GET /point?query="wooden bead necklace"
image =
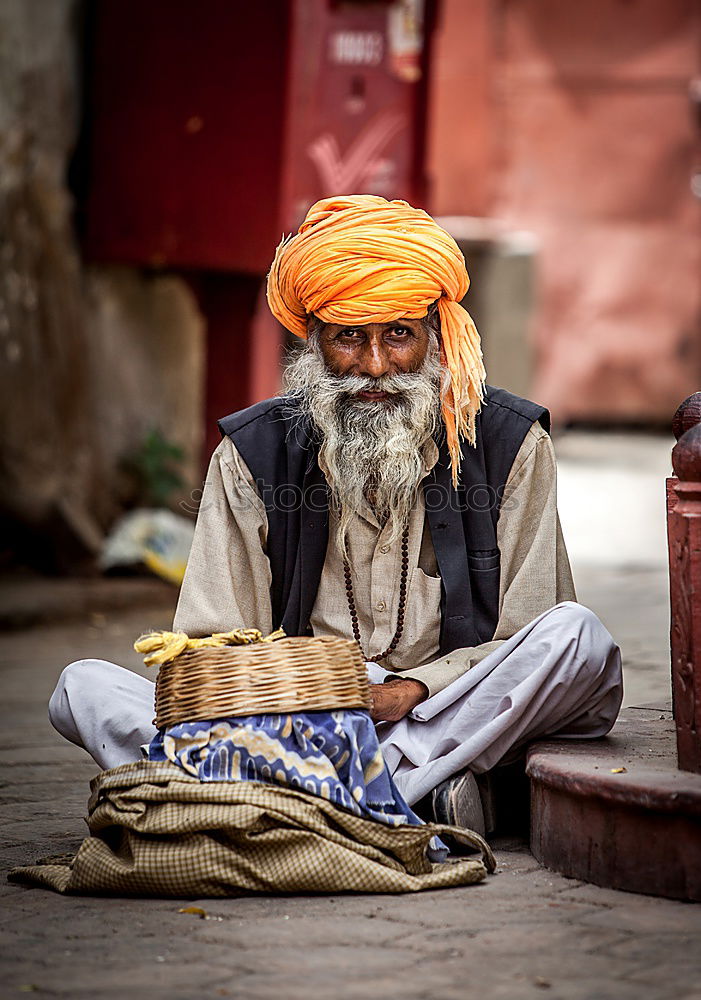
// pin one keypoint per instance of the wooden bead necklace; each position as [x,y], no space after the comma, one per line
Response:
[400,611]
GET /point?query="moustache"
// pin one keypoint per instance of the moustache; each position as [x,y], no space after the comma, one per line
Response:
[393,385]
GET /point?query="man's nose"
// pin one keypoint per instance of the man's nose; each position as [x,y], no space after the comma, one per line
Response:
[374,360]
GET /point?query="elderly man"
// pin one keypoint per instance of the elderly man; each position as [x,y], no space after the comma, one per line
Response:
[389,496]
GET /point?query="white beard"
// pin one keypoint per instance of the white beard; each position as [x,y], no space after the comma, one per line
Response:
[371,448]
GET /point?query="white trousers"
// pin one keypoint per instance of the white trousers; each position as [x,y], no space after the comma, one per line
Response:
[560,675]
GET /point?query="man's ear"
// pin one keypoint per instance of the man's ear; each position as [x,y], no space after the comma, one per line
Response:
[314,326]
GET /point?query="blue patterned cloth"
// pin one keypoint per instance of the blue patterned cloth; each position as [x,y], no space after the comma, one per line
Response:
[332,754]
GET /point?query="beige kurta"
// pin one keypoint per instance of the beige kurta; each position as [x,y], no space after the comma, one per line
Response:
[227,582]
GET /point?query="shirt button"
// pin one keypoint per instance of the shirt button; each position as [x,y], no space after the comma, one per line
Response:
[381,606]
[384,548]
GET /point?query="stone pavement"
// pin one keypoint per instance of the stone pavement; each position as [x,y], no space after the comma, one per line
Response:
[524,933]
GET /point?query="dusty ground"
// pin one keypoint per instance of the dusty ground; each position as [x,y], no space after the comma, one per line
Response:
[524,933]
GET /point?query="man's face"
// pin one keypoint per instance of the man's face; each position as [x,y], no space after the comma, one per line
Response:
[375,349]
[372,392]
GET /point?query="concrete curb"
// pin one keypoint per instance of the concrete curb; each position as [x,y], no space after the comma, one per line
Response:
[28,601]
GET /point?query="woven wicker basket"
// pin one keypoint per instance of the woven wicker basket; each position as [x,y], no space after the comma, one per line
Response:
[290,675]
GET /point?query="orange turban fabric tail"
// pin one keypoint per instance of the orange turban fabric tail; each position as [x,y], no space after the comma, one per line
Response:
[361,259]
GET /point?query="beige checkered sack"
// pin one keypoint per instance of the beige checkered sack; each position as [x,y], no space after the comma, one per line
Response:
[156,831]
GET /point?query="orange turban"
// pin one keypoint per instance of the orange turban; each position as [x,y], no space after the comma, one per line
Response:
[361,259]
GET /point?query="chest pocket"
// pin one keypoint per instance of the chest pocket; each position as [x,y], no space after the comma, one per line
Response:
[483,566]
[423,617]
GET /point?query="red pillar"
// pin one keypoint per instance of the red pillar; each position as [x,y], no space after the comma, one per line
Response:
[684,536]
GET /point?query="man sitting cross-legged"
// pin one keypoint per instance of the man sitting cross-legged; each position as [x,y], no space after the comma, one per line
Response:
[390,496]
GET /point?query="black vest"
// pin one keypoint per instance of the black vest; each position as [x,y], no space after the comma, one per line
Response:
[281,454]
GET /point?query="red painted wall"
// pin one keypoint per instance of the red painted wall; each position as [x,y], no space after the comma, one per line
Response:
[461,121]
[577,125]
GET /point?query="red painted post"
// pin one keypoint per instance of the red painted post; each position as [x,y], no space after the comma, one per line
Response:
[684,537]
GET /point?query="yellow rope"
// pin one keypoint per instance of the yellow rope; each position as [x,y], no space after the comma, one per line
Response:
[163,647]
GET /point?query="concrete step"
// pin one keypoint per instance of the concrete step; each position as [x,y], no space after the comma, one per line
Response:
[617,812]
[26,601]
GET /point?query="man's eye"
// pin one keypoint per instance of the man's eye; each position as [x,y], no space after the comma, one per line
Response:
[400,331]
[351,331]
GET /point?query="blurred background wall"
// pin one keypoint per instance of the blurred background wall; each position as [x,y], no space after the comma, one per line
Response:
[581,123]
[93,359]
[152,154]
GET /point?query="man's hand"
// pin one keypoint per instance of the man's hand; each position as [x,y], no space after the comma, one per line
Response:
[395,699]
